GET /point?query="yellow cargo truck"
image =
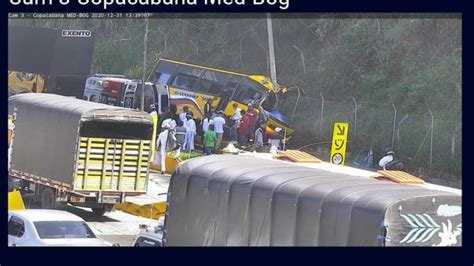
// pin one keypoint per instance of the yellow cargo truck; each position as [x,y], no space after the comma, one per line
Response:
[66,150]
[25,82]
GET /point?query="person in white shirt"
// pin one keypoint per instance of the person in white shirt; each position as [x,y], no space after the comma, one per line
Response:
[386,160]
[258,140]
[213,113]
[235,122]
[161,143]
[171,123]
[277,139]
[219,123]
[190,132]
[183,115]
[205,123]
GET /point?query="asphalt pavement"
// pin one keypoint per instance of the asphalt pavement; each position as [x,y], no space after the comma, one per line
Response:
[118,227]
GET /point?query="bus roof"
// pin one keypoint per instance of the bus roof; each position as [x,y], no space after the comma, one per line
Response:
[257,78]
[203,67]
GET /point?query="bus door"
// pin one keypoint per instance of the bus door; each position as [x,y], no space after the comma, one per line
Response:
[226,95]
[150,97]
[225,98]
[162,97]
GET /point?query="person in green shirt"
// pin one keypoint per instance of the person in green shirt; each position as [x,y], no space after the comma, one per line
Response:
[210,138]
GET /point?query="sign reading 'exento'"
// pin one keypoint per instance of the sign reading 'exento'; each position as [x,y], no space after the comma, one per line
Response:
[76,33]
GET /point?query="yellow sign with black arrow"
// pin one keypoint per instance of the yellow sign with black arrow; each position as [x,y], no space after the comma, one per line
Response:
[339,143]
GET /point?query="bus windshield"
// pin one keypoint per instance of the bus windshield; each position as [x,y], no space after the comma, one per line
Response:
[270,102]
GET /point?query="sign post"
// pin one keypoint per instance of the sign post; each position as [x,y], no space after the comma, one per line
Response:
[339,143]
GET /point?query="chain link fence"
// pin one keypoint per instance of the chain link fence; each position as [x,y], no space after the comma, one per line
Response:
[426,142]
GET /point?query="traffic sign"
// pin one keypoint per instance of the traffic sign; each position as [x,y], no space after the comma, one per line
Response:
[339,143]
[76,33]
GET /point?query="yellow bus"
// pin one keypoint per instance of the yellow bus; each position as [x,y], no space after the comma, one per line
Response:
[192,85]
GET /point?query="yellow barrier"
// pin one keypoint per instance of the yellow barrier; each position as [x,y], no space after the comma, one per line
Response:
[153,211]
[15,201]
[171,164]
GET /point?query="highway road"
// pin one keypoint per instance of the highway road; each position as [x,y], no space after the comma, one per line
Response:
[118,227]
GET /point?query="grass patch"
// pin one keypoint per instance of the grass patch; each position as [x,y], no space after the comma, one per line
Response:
[185,155]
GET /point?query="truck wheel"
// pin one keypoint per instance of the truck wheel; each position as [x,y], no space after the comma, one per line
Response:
[103,209]
[99,211]
[48,198]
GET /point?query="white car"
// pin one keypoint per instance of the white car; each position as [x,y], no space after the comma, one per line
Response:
[49,228]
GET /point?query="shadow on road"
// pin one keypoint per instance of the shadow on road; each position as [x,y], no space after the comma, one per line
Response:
[88,216]
[84,213]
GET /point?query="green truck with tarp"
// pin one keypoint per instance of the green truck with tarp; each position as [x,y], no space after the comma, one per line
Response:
[248,200]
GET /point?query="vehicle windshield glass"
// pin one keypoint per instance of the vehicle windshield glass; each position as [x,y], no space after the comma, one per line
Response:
[270,102]
[63,229]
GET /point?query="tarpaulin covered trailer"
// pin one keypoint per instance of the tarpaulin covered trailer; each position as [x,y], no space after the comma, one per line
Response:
[232,200]
[80,152]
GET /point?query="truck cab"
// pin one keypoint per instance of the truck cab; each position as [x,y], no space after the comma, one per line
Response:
[106,88]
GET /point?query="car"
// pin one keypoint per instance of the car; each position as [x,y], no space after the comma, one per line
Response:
[149,236]
[38,227]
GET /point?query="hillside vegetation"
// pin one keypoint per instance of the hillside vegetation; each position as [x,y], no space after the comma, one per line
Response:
[411,63]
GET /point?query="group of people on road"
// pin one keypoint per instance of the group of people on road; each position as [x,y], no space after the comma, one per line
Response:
[249,128]
[241,125]
[245,124]
[178,130]
[213,125]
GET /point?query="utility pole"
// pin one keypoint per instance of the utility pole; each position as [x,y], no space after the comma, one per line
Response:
[271,49]
[145,38]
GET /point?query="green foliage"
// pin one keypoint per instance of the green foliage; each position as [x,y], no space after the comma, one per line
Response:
[414,63]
